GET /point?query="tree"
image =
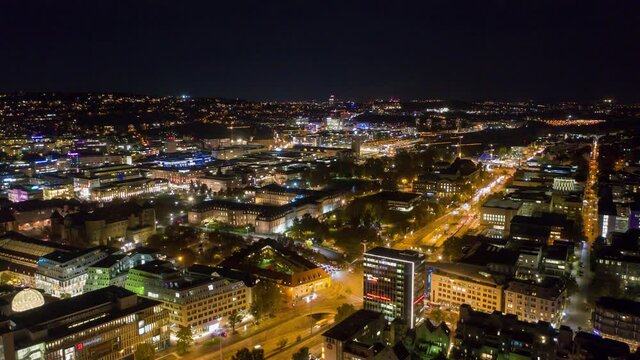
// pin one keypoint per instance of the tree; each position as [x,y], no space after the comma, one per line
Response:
[144,351]
[234,319]
[8,278]
[437,316]
[452,248]
[603,284]
[440,356]
[266,299]
[344,311]
[282,344]
[185,339]
[302,354]
[246,354]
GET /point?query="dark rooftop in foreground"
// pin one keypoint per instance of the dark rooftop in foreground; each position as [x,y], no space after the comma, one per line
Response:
[621,305]
[344,330]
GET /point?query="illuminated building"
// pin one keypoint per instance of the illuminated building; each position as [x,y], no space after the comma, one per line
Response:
[617,319]
[19,255]
[236,151]
[108,182]
[274,210]
[268,260]
[104,324]
[455,284]
[95,177]
[20,193]
[395,284]
[57,192]
[113,269]
[63,273]
[533,301]
[565,184]
[202,301]
[177,175]
[129,189]
[185,160]
[497,213]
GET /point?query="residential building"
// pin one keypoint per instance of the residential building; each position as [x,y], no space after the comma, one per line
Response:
[449,180]
[455,284]
[557,260]
[395,284]
[588,346]
[534,301]
[480,335]
[620,257]
[618,319]
[567,204]
[359,336]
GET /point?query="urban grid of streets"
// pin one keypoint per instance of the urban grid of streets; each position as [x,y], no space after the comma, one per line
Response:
[295,322]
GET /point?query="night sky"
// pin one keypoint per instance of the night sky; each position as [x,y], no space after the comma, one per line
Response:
[294,50]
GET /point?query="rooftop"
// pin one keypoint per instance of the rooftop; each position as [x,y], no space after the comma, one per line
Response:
[619,305]
[404,255]
[350,326]
[503,204]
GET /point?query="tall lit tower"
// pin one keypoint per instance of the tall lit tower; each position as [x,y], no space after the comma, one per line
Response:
[395,284]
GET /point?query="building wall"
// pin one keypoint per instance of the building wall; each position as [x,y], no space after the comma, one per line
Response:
[532,308]
[200,307]
[115,339]
[453,292]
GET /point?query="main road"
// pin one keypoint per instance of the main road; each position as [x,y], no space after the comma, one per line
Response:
[459,220]
[305,321]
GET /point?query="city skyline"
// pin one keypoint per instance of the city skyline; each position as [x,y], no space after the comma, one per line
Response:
[334,180]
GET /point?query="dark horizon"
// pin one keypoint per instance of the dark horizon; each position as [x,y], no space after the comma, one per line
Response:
[545,51]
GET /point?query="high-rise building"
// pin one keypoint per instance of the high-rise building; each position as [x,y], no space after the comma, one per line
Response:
[395,284]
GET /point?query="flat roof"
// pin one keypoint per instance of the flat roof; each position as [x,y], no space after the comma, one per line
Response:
[348,327]
[404,255]
[503,204]
[475,273]
[619,305]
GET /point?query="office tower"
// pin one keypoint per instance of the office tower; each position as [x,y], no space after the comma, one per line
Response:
[394,284]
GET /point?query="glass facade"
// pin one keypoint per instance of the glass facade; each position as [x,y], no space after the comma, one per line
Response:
[395,284]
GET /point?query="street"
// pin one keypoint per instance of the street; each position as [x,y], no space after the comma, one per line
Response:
[289,324]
